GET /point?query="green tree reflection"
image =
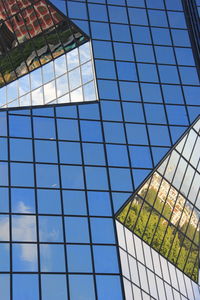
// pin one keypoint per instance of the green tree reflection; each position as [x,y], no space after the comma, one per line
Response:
[150,220]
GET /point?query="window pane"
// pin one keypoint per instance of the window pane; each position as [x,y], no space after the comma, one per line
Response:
[76,229]
[54,287]
[25,287]
[85,284]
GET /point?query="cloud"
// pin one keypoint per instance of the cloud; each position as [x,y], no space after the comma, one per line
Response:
[21,207]
[72,59]
[49,91]
[24,228]
[29,253]
[85,53]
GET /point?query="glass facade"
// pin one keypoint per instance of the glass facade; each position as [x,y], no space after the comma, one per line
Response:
[67,170]
[165,210]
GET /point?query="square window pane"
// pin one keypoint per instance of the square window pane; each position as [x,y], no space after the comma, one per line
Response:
[76,229]
[102,231]
[48,201]
[84,283]
[50,229]
[21,150]
[24,258]
[23,201]
[47,176]
[79,258]
[26,177]
[93,154]
[96,178]
[24,228]
[52,258]
[72,177]
[74,202]
[54,287]
[45,151]
[105,259]
[109,287]
[25,286]
[44,128]
[70,153]
[99,204]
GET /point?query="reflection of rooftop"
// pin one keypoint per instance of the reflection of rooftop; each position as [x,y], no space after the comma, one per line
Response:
[44,32]
[29,18]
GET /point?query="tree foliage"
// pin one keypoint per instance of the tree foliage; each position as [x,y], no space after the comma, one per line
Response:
[155,229]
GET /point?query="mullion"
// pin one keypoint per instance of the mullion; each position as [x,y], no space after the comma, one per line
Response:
[36,212]
[87,206]
[62,207]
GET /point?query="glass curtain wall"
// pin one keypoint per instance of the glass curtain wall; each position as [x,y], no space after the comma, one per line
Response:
[66,170]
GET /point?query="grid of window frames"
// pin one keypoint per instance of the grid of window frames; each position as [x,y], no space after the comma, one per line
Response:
[55,235]
[148,275]
[140,59]
[32,34]
[165,212]
[67,79]
[149,96]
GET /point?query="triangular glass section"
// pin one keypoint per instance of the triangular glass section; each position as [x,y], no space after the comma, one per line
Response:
[44,57]
[165,210]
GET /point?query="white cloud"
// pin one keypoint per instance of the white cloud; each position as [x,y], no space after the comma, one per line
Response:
[21,207]
[24,228]
[29,253]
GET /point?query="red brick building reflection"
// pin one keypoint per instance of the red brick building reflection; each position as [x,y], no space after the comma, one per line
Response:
[27,18]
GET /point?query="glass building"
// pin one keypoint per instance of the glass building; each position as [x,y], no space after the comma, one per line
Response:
[99,149]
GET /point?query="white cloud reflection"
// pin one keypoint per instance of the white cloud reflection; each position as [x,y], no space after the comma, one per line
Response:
[24,230]
[21,207]
[29,253]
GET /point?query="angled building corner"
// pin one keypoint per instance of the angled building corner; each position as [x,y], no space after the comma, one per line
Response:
[44,58]
[164,214]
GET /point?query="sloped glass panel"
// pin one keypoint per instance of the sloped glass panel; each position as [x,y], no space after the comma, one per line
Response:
[44,58]
[32,33]
[165,213]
